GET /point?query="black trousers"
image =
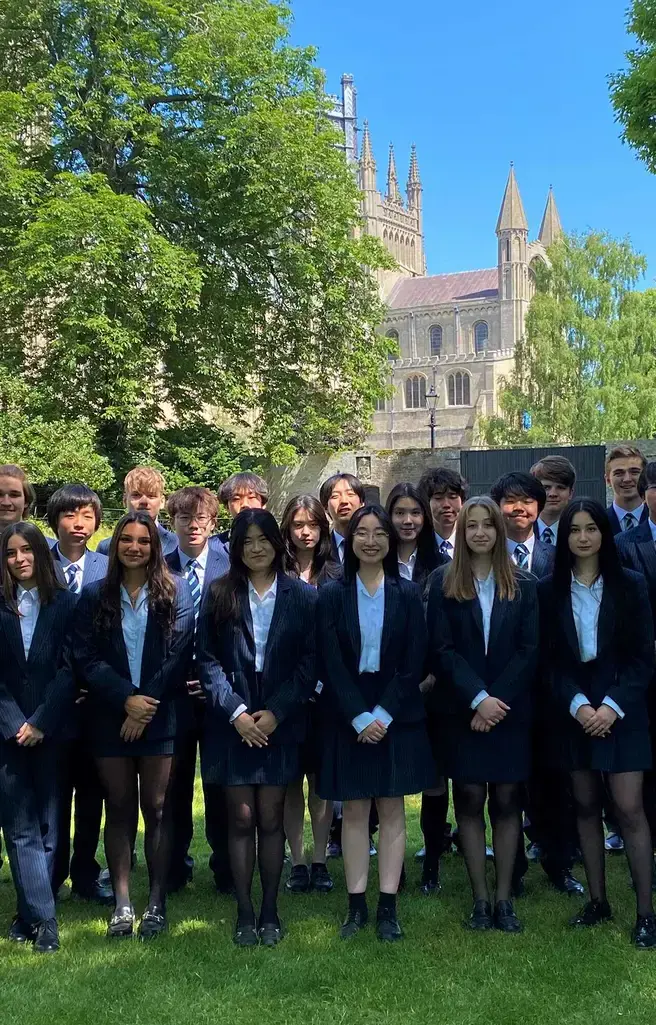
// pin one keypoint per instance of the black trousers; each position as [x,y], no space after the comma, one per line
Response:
[78,775]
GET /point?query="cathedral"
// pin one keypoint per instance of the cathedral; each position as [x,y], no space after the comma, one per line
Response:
[454,334]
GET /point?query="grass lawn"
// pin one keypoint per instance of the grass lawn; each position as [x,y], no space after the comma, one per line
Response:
[440,974]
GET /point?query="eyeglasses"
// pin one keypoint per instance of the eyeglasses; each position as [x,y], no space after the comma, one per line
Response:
[184,520]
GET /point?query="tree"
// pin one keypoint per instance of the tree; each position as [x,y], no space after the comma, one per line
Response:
[178,228]
[586,369]
[633,91]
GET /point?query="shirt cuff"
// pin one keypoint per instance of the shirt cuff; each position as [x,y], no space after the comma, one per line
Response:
[384,717]
[361,721]
[481,696]
[237,712]
[577,701]
[613,704]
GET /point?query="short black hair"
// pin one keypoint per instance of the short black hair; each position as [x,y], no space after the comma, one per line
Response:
[68,499]
[647,478]
[440,480]
[326,489]
[510,485]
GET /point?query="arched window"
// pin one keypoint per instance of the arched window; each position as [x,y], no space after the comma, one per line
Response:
[415,392]
[481,332]
[458,389]
[435,337]
[394,335]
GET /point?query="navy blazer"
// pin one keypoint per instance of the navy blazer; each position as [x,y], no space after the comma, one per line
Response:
[40,689]
[226,660]
[542,563]
[167,537]
[457,656]
[95,564]
[638,552]
[218,564]
[402,651]
[101,659]
[615,525]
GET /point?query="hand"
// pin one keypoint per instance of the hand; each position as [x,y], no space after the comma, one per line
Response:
[583,714]
[266,720]
[479,724]
[82,696]
[599,724]
[194,690]
[132,729]
[141,708]
[492,710]
[427,685]
[249,731]
[373,733]
[29,736]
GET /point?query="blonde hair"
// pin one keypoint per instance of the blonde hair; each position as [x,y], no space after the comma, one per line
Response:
[459,577]
[144,479]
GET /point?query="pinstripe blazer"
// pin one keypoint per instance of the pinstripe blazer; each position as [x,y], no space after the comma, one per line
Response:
[167,537]
[638,552]
[95,565]
[402,650]
[40,689]
[101,659]
[542,563]
[615,525]
[218,564]
[226,660]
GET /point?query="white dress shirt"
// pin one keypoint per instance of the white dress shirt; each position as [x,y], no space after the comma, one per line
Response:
[29,606]
[586,602]
[529,544]
[553,527]
[134,620]
[371,615]
[201,563]
[261,614]
[448,542]
[486,590]
[407,569]
[621,513]
[340,542]
[78,566]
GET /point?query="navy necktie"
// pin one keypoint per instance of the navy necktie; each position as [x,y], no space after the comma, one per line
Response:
[194,585]
[445,548]
[71,579]
[629,522]
[547,536]
[521,556]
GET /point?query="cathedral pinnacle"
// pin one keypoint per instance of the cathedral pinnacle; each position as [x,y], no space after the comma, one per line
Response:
[413,174]
[551,228]
[366,156]
[393,193]
[511,215]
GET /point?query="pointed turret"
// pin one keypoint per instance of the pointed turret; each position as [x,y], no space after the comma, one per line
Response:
[551,227]
[413,174]
[393,193]
[367,156]
[511,215]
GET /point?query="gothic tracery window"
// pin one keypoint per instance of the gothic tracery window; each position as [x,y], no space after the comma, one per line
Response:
[459,389]
[435,338]
[481,334]
[415,392]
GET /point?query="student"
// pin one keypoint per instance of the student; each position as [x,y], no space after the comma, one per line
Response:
[36,696]
[306,533]
[598,645]
[558,478]
[624,465]
[340,496]
[17,497]
[242,491]
[445,491]
[371,638]
[144,491]
[192,512]
[483,637]
[74,514]
[522,499]
[257,667]
[132,646]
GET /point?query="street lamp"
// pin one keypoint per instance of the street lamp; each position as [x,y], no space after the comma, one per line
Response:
[431,399]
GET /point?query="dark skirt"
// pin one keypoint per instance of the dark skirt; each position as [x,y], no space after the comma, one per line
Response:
[142,748]
[310,753]
[241,765]
[501,756]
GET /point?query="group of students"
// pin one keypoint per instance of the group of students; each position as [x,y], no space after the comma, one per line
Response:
[502,642]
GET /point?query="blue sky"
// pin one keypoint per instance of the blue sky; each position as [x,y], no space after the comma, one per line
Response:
[478,84]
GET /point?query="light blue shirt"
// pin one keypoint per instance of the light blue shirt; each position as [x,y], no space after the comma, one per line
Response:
[261,614]
[134,620]
[201,564]
[29,606]
[553,527]
[486,590]
[652,527]
[371,614]
[621,513]
[448,542]
[586,602]
[529,544]
[340,542]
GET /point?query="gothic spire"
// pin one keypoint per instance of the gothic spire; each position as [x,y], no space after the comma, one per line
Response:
[413,174]
[366,155]
[551,228]
[512,213]
[393,194]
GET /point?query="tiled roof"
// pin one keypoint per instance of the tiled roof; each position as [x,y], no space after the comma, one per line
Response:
[444,288]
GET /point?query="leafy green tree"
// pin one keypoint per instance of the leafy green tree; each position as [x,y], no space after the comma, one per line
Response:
[586,369]
[633,90]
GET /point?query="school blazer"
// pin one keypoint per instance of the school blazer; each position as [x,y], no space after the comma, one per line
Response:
[615,525]
[167,537]
[425,567]
[95,565]
[543,560]
[638,552]
[226,663]
[100,658]
[625,656]
[218,564]
[402,650]
[40,689]
[457,655]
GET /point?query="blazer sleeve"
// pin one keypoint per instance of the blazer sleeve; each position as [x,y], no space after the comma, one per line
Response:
[297,689]
[332,668]
[404,685]
[523,663]
[213,678]
[448,666]
[172,674]
[96,672]
[636,659]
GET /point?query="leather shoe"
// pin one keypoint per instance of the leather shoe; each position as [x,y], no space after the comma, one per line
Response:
[121,924]
[98,893]
[593,913]
[299,879]
[505,919]
[388,929]
[245,934]
[354,921]
[481,916]
[565,882]
[644,934]
[320,879]
[430,882]
[270,933]
[153,922]
[20,931]
[47,937]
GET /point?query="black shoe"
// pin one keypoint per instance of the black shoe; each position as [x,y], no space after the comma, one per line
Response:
[644,934]
[565,882]
[46,940]
[387,927]
[270,933]
[481,916]
[593,913]
[320,879]
[430,881]
[20,931]
[98,893]
[121,924]
[245,934]
[299,879]
[153,922]
[354,921]
[505,919]
[517,887]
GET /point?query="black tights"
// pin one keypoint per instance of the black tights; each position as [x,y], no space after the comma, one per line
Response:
[256,808]
[469,801]
[626,792]
[128,782]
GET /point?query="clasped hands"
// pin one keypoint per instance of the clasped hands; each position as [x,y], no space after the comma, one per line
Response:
[29,736]
[373,733]
[140,710]
[255,729]
[490,712]
[596,722]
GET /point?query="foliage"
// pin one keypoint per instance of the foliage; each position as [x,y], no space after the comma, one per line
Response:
[633,90]
[201,454]
[586,369]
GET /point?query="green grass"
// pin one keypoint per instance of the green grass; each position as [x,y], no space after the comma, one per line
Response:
[440,974]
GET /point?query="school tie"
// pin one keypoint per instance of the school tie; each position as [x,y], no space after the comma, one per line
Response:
[629,522]
[521,556]
[547,536]
[194,585]
[71,579]
[445,548]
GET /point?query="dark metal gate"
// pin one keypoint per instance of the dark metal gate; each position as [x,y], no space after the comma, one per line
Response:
[482,468]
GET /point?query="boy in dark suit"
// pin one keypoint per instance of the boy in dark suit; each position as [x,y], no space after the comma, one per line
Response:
[445,491]
[624,465]
[521,499]
[340,496]
[242,491]
[144,490]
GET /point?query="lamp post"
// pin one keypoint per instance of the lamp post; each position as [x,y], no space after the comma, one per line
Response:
[431,398]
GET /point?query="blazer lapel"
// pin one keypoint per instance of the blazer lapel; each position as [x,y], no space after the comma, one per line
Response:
[477,615]
[151,654]
[567,617]
[14,636]
[647,556]
[247,619]
[279,612]
[390,616]
[47,614]
[497,619]
[352,617]
[605,622]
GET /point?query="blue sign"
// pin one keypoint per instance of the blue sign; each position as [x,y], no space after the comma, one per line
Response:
[527,421]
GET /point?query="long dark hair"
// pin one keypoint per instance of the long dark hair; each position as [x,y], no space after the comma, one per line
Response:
[351,561]
[44,570]
[225,590]
[161,585]
[426,543]
[322,557]
[610,567]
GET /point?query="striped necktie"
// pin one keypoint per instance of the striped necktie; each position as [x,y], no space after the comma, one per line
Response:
[445,548]
[629,522]
[521,556]
[194,585]
[547,536]
[71,579]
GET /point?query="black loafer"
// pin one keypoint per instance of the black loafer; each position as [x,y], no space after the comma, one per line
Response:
[245,934]
[644,934]
[430,882]
[121,924]
[565,882]
[593,913]
[20,931]
[46,940]
[481,916]
[505,919]
[153,922]
[354,921]
[320,879]
[270,933]
[299,879]
[388,929]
